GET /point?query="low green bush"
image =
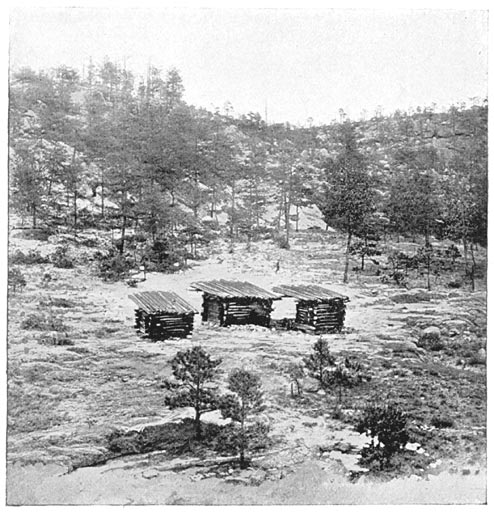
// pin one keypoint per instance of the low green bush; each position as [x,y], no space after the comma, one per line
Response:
[32,257]
[40,322]
[17,281]
[387,426]
[60,259]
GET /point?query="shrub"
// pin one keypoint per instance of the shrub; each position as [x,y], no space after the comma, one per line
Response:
[41,322]
[60,259]
[16,279]
[47,277]
[41,234]
[58,302]
[430,339]
[113,266]
[176,438]
[319,360]
[387,426]
[442,422]
[59,339]
[280,240]
[33,257]
[346,375]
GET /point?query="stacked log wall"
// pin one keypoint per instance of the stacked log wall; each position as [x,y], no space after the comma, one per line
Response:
[248,311]
[321,316]
[164,325]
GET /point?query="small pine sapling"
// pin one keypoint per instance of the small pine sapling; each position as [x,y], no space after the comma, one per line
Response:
[194,371]
[319,360]
[246,400]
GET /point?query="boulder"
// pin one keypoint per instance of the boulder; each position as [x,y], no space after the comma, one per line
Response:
[482,355]
[150,473]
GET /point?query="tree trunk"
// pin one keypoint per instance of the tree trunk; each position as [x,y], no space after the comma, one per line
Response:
[102,196]
[465,254]
[232,219]
[347,257]
[122,234]
[75,212]
[197,422]
[243,463]
[287,222]
[474,266]
[428,271]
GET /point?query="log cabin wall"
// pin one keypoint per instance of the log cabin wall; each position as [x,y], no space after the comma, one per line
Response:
[322,316]
[236,311]
[243,311]
[164,325]
[163,314]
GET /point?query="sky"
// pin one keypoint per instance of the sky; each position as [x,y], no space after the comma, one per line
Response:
[287,64]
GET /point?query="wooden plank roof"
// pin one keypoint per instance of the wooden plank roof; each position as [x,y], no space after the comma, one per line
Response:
[309,292]
[161,302]
[233,289]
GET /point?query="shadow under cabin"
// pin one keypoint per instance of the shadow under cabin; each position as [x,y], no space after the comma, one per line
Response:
[319,310]
[235,302]
[163,314]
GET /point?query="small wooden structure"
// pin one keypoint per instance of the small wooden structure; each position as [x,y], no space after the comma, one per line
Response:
[162,315]
[319,310]
[235,302]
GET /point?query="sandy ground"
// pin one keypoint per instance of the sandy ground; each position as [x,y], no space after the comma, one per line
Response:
[63,402]
[311,484]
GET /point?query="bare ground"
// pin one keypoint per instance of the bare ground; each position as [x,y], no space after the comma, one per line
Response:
[64,400]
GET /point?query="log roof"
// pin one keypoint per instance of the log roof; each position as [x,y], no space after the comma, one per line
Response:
[161,302]
[309,292]
[233,289]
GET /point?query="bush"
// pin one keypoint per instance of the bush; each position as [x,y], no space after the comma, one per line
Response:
[345,375]
[175,438]
[113,266]
[59,339]
[319,360]
[229,438]
[430,339]
[167,255]
[387,427]
[60,259]
[58,302]
[41,322]
[16,279]
[41,234]
[280,240]
[33,257]
[442,422]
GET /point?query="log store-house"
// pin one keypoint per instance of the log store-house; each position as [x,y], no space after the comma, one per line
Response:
[161,315]
[235,302]
[319,310]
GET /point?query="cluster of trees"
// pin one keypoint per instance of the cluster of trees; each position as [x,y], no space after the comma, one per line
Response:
[195,373]
[115,150]
[195,385]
